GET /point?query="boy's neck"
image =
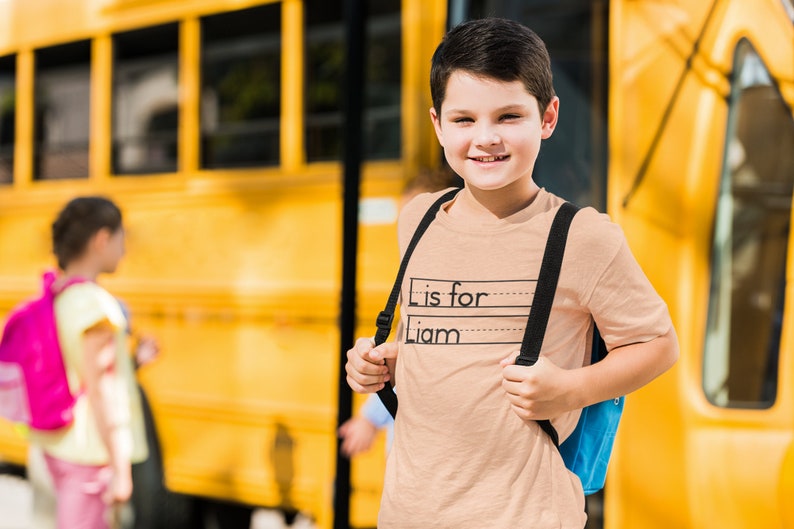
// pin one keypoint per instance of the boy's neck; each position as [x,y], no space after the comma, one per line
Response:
[500,203]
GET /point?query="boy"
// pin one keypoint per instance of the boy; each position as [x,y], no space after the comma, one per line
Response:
[468,452]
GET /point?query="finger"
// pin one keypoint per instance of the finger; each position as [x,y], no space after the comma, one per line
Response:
[342,430]
[363,388]
[513,373]
[384,351]
[366,372]
[508,360]
[364,345]
[366,380]
[522,413]
[346,448]
[107,496]
[350,447]
[364,364]
[362,381]
[362,351]
[519,373]
[508,386]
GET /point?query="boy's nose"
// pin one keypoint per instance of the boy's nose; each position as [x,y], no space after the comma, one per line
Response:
[487,136]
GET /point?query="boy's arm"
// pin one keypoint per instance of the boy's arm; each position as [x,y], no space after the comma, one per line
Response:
[545,390]
[625,369]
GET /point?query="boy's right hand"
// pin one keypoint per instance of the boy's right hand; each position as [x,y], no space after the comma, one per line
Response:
[368,366]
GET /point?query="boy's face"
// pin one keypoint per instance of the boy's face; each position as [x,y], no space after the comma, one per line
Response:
[491,131]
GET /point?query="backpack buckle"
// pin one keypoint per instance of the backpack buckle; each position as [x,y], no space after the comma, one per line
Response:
[384,320]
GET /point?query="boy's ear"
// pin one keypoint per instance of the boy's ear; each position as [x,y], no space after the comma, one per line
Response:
[549,118]
[434,117]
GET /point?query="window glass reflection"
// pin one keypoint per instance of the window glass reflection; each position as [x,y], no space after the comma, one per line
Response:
[324,69]
[788,5]
[241,88]
[751,235]
[7,117]
[62,102]
[145,100]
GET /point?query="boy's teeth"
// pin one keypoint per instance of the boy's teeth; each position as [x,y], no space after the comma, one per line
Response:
[490,158]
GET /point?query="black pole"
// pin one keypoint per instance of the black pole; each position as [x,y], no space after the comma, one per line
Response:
[354,17]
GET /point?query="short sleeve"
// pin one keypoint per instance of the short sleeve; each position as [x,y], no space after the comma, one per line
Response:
[77,309]
[84,305]
[375,412]
[624,304]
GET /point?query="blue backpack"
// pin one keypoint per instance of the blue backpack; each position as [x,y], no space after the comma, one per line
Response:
[587,450]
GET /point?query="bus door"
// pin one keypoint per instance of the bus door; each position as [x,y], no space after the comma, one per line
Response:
[742,430]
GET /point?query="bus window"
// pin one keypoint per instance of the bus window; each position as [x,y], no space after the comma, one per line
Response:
[145,100]
[324,66]
[241,88]
[573,162]
[7,117]
[751,235]
[788,5]
[62,101]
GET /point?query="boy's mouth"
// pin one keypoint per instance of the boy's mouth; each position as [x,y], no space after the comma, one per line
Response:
[488,159]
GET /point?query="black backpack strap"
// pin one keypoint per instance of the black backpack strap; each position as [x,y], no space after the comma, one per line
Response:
[544,296]
[386,316]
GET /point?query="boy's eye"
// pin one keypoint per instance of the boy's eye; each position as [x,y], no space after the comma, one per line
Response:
[462,120]
[508,117]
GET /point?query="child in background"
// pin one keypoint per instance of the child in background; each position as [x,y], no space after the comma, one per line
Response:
[468,451]
[359,432]
[90,459]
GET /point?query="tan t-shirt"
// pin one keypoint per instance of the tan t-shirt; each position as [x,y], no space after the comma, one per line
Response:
[77,309]
[461,457]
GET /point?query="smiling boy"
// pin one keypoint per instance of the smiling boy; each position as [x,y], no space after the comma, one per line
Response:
[468,452]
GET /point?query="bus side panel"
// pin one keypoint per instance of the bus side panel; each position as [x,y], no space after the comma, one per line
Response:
[681,461]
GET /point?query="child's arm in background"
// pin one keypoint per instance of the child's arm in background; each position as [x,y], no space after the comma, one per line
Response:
[99,374]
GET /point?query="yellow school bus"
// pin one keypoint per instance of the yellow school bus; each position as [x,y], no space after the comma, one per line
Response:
[217,126]
[701,175]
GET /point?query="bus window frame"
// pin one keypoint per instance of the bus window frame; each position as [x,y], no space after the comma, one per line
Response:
[717,338]
[209,49]
[43,148]
[10,62]
[120,142]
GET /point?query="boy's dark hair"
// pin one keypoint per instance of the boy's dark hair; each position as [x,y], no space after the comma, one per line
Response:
[77,222]
[498,48]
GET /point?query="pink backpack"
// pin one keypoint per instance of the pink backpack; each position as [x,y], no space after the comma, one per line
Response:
[34,389]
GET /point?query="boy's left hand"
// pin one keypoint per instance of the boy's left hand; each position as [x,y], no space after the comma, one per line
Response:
[542,391]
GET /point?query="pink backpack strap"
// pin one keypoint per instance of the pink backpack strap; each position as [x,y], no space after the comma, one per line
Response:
[51,286]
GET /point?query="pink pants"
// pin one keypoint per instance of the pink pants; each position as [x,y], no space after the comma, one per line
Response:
[78,492]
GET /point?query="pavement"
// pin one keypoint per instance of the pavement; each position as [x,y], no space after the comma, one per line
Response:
[22,508]
[16,503]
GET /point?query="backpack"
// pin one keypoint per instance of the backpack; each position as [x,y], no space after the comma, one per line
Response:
[34,389]
[587,450]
